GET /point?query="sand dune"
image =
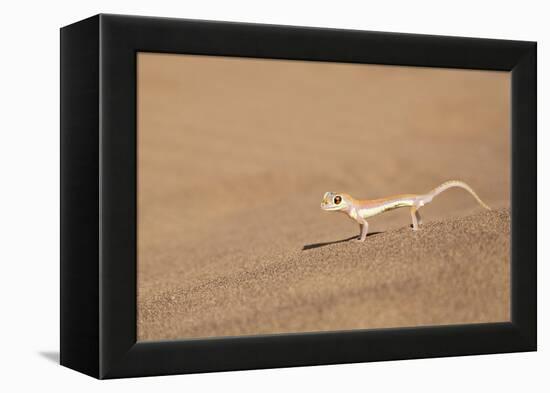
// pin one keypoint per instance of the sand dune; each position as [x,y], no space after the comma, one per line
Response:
[234,156]
[393,279]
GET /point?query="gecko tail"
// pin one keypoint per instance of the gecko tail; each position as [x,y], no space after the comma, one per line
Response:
[450,184]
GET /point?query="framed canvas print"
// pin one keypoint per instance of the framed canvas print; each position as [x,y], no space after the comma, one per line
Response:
[239,196]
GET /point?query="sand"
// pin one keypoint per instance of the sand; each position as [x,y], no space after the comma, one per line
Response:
[397,278]
[234,157]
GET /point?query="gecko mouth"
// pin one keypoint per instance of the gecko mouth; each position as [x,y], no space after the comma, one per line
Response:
[329,208]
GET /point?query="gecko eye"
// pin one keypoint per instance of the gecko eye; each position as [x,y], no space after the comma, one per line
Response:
[337,199]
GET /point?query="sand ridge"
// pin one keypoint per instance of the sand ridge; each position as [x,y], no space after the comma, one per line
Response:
[391,280]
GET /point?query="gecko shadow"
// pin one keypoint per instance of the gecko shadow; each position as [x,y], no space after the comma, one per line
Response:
[317,245]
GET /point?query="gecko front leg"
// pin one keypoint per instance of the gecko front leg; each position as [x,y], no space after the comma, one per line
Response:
[364,228]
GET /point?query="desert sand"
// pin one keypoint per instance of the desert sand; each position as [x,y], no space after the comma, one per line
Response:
[234,156]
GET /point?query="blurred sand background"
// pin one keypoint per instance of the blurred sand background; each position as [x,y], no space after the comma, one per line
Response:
[235,154]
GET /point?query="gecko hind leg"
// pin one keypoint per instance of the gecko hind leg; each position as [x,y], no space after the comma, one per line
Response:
[416,220]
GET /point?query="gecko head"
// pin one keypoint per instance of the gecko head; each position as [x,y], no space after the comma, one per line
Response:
[336,201]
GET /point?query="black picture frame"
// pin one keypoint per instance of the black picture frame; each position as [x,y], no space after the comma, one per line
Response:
[98,196]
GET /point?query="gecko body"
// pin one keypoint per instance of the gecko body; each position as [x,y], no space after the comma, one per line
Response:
[359,210]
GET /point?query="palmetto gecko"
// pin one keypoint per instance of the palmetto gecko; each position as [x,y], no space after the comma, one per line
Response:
[360,210]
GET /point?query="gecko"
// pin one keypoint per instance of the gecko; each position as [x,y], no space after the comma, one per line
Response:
[360,210]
